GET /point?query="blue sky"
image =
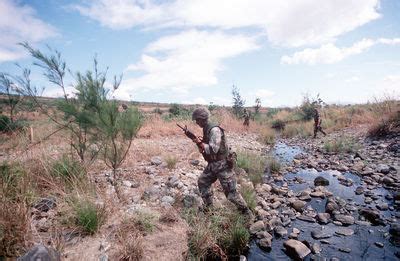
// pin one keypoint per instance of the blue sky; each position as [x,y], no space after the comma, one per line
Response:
[193,51]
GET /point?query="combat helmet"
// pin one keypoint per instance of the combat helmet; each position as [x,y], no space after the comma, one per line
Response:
[200,113]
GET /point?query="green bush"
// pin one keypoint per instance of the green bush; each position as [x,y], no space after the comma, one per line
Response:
[341,145]
[67,168]
[253,164]
[249,196]
[4,123]
[278,124]
[89,217]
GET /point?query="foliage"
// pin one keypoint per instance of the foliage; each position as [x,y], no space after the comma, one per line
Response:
[9,88]
[385,126]
[145,221]
[278,124]
[300,129]
[212,106]
[273,165]
[217,235]
[253,164]
[16,197]
[89,216]
[67,169]
[342,144]
[171,161]
[309,106]
[238,102]
[249,196]
[5,123]
[158,111]
[267,136]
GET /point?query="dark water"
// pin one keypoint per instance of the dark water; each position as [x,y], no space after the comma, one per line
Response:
[285,153]
[361,243]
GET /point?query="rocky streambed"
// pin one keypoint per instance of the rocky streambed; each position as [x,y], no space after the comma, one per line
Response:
[325,206]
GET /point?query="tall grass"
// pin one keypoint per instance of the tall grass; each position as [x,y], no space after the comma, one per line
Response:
[266,136]
[253,164]
[342,144]
[89,216]
[298,129]
[219,235]
[249,196]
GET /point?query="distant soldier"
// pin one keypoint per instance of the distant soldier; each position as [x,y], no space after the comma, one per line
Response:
[317,122]
[246,116]
[215,150]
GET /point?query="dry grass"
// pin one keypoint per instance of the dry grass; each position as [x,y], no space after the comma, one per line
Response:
[301,129]
[386,126]
[267,136]
[130,241]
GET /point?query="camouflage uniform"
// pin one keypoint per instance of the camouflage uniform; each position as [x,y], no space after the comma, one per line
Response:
[216,151]
[246,116]
[317,123]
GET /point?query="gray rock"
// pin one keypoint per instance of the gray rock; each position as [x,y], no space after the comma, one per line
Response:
[383,168]
[42,253]
[359,190]
[45,204]
[372,216]
[306,218]
[156,160]
[265,243]
[379,244]
[395,229]
[345,231]
[194,162]
[382,206]
[344,219]
[242,258]
[168,199]
[298,205]
[280,231]
[344,249]
[316,248]
[387,181]
[323,218]
[296,249]
[321,181]
[256,227]
[318,234]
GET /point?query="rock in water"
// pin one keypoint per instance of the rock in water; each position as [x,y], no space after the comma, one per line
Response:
[296,249]
[321,181]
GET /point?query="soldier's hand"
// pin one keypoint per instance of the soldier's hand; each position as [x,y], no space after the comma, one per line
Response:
[197,140]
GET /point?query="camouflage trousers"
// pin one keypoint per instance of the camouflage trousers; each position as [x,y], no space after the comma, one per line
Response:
[219,170]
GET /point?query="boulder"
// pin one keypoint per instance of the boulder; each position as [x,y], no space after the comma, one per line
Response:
[345,219]
[298,205]
[296,249]
[321,181]
[41,252]
[372,216]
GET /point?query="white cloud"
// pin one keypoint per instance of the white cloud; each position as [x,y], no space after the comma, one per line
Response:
[264,94]
[286,22]
[57,92]
[186,60]
[19,23]
[327,53]
[352,79]
[198,100]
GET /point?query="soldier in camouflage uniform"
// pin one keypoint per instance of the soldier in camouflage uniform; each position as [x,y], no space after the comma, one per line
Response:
[246,116]
[317,123]
[214,148]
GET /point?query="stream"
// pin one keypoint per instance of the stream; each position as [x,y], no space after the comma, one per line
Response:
[367,243]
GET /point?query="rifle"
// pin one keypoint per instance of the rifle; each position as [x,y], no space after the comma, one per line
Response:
[193,137]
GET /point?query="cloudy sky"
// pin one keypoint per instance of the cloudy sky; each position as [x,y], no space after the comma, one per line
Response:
[193,51]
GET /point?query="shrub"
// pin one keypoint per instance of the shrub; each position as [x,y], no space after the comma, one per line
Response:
[249,196]
[4,123]
[88,215]
[267,136]
[157,111]
[67,169]
[130,241]
[300,129]
[171,161]
[273,165]
[278,124]
[145,221]
[253,164]
[16,197]
[386,126]
[341,145]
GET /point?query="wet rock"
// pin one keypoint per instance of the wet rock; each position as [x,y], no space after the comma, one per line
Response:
[344,249]
[156,160]
[265,243]
[395,229]
[344,219]
[41,252]
[280,231]
[318,234]
[379,244]
[296,249]
[372,216]
[256,227]
[383,168]
[387,181]
[382,206]
[306,218]
[359,190]
[321,181]
[45,204]
[316,248]
[323,218]
[345,231]
[331,206]
[298,205]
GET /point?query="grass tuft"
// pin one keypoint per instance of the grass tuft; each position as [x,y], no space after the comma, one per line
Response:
[89,216]
[253,164]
